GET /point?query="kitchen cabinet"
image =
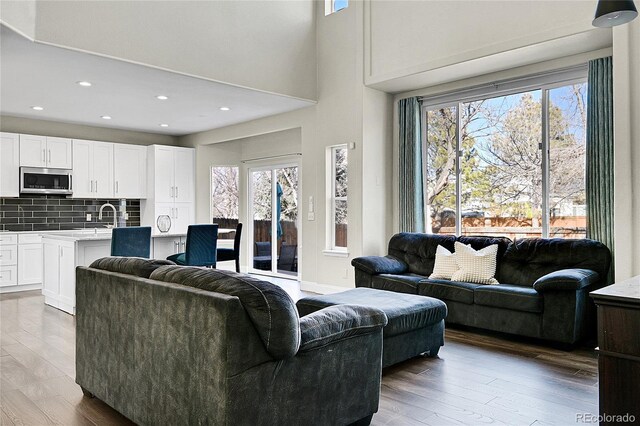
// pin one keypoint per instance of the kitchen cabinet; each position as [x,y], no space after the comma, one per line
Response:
[173,173]
[165,246]
[170,188]
[9,165]
[20,262]
[46,151]
[8,260]
[93,169]
[29,259]
[130,171]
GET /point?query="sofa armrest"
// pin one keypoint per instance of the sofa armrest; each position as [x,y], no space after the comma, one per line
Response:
[380,265]
[566,279]
[335,323]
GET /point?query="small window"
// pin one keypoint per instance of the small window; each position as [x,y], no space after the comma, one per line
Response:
[331,6]
[224,196]
[337,217]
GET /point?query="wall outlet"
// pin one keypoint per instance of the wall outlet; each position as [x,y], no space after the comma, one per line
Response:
[88,217]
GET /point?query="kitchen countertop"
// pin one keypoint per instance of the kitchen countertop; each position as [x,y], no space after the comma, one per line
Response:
[98,234]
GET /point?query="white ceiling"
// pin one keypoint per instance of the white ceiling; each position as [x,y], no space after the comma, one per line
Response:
[38,74]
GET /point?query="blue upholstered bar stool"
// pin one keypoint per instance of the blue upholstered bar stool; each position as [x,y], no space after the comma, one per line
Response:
[133,241]
[225,254]
[202,241]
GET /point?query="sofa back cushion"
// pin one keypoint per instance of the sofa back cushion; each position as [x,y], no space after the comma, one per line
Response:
[137,266]
[526,260]
[271,310]
[419,250]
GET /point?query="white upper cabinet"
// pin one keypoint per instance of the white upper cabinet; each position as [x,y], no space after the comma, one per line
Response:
[171,188]
[183,172]
[59,153]
[130,171]
[9,165]
[93,169]
[163,174]
[45,151]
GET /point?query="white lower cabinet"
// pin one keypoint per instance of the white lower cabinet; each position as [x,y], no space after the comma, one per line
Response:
[20,262]
[61,257]
[59,282]
[29,259]
[164,247]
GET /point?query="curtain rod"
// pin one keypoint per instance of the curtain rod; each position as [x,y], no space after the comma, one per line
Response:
[271,156]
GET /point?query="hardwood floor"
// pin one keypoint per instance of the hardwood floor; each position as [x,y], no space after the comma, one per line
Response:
[476,379]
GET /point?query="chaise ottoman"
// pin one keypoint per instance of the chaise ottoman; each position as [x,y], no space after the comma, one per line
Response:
[416,323]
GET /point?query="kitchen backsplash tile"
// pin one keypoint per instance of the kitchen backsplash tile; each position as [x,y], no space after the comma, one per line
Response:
[55,212]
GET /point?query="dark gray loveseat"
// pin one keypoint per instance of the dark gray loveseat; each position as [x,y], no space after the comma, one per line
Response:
[543,290]
[172,345]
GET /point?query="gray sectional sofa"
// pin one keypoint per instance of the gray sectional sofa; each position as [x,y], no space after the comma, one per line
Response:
[543,290]
[172,345]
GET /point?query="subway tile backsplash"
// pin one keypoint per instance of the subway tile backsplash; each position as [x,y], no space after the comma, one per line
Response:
[55,212]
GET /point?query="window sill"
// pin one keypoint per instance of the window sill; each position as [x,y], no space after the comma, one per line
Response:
[336,253]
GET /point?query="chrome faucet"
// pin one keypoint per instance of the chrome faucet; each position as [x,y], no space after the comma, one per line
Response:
[115,214]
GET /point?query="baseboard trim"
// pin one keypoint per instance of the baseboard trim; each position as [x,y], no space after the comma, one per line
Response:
[321,288]
[22,287]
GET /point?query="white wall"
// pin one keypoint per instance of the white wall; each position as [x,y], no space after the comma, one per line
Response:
[78,131]
[19,15]
[626,81]
[412,44]
[339,117]
[264,45]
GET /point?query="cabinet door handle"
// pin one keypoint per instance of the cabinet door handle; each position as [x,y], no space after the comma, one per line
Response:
[96,186]
[176,212]
[117,190]
[44,156]
[91,187]
[49,162]
[177,192]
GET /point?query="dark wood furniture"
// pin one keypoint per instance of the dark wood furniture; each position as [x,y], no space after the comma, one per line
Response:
[619,349]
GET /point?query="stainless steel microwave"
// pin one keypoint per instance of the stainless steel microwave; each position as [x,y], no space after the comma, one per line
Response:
[46,181]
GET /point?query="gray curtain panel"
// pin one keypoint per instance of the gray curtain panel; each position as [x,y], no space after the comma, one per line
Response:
[411,192]
[600,155]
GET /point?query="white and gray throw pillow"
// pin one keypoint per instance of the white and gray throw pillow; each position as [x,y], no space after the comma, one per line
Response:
[445,264]
[475,266]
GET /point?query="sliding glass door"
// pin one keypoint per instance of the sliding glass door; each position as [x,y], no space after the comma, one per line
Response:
[273,210]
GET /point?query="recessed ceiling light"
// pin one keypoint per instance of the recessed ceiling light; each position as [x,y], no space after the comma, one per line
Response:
[224,108]
[37,108]
[162,97]
[106,117]
[84,83]
[164,125]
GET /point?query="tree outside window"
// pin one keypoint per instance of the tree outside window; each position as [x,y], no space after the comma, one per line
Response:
[499,150]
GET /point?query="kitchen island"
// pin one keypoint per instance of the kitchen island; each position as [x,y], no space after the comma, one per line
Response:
[64,251]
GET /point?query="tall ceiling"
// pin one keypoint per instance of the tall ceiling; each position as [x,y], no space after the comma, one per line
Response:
[35,74]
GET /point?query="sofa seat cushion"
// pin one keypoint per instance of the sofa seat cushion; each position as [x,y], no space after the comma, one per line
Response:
[407,283]
[448,290]
[513,297]
[405,312]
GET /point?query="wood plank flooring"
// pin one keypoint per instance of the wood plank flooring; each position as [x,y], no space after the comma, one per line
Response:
[476,379]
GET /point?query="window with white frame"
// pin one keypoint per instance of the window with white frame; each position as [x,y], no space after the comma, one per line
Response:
[332,6]
[224,195]
[337,163]
[509,161]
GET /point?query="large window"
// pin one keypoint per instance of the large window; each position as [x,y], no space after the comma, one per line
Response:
[331,6]
[224,196]
[511,165]
[337,192]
